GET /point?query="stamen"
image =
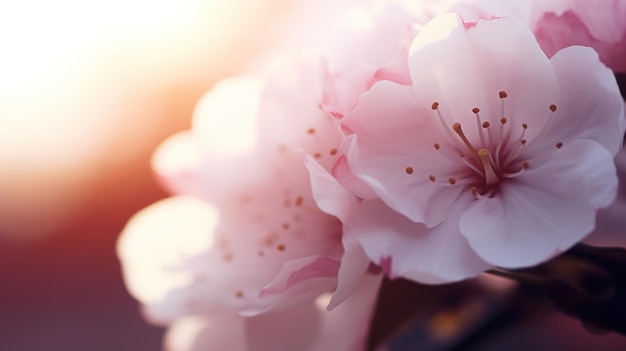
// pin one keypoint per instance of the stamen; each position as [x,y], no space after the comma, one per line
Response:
[409,170]
[432,178]
[452,181]
[502,95]
[435,106]
[559,145]
[553,107]
[490,175]
[478,124]
[459,131]
[436,146]
[471,166]
[519,143]
[503,120]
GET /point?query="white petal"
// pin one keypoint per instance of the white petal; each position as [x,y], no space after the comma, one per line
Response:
[413,251]
[468,67]
[590,106]
[546,210]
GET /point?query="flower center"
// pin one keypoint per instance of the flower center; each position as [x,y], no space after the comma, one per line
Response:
[490,156]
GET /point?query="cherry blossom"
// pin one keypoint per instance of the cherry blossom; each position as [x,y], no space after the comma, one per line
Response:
[157,270]
[501,154]
[600,25]
[558,24]
[307,327]
[247,238]
[369,45]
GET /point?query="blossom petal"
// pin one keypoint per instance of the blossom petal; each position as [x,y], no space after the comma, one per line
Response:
[290,329]
[177,162]
[590,106]
[334,199]
[547,211]
[381,151]
[152,256]
[224,331]
[465,66]
[298,281]
[370,56]
[347,326]
[411,250]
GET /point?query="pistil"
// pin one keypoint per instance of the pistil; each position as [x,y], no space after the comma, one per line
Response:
[491,178]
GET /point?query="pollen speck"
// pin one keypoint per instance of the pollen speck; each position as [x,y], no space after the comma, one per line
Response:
[523,141]
[452,181]
[333,152]
[435,105]
[524,125]
[280,247]
[409,170]
[503,120]
[436,146]
[299,201]
[261,253]
[559,145]
[310,131]
[502,94]
[475,110]
[317,155]
[239,294]
[553,107]
[432,178]
[525,165]
[286,226]
[485,124]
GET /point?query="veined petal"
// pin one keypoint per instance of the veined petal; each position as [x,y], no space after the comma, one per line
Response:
[411,250]
[547,211]
[393,134]
[590,106]
[468,66]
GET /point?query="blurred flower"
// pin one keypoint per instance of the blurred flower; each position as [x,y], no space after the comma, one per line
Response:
[307,327]
[558,24]
[600,25]
[484,149]
[267,247]
[361,53]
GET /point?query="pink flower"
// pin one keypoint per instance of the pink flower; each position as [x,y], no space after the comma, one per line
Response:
[496,155]
[248,239]
[598,24]
[158,272]
[308,327]
[558,24]
[369,45]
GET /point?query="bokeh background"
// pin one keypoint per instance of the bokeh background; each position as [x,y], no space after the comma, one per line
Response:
[88,89]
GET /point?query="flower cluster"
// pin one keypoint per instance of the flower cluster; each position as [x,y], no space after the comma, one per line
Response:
[419,144]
